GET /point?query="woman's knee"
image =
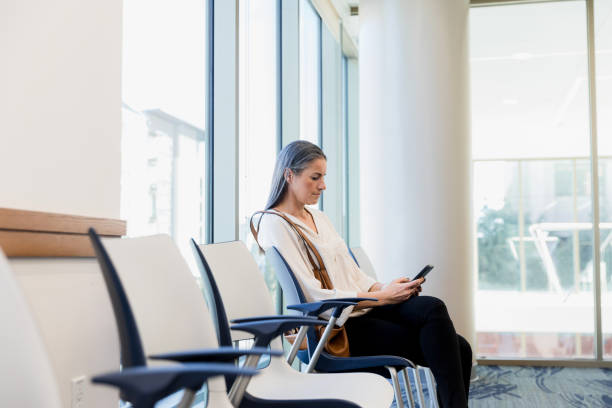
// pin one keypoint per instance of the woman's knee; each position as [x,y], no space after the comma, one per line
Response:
[464,348]
[434,307]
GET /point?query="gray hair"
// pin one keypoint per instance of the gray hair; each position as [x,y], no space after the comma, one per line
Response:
[296,156]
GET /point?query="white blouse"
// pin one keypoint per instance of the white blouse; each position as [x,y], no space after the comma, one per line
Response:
[347,278]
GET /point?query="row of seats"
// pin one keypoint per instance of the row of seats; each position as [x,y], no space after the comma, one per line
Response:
[159,308]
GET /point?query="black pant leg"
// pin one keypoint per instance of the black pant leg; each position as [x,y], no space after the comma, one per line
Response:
[440,346]
[421,330]
[466,362]
[371,335]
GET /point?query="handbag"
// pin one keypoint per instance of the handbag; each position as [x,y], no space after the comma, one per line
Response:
[337,344]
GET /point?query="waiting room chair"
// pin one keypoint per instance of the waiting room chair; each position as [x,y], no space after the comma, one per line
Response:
[143,386]
[239,293]
[27,378]
[172,317]
[29,381]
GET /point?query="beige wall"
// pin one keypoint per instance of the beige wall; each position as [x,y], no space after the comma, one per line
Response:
[60,110]
[60,94]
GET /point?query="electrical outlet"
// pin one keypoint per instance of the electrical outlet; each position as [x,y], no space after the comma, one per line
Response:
[78,392]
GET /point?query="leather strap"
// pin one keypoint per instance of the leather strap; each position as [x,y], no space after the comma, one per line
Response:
[337,343]
[318,268]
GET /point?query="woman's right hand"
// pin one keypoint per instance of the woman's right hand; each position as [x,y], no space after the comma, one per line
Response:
[399,290]
[396,291]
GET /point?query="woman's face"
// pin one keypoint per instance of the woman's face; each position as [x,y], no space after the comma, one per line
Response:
[307,186]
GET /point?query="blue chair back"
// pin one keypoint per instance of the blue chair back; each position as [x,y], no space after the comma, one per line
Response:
[354,257]
[293,293]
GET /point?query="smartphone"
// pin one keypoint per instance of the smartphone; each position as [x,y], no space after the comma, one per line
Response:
[423,272]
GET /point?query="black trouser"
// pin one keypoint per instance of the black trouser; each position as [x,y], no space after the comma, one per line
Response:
[420,330]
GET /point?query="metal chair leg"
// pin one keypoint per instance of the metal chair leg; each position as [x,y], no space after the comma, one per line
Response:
[187,399]
[322,341]
[295,347]
[431,386]
[396,387]
[408,387]
[417,381]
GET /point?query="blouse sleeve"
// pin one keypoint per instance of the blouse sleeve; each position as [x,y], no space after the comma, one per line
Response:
[364,281]
[274,231]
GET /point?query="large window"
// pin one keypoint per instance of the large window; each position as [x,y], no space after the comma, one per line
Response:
[532,181]
[258,129]
[533,189]
[310,73]
[164,111]
[259,139]
[603,48]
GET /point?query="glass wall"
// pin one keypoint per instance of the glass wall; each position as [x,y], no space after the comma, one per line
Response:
[603,49]
[164,110]
[332,142]
[310,72]
[532,181]
[258,110]
[165,141]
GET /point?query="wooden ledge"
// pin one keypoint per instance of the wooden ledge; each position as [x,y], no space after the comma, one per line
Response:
[41,234]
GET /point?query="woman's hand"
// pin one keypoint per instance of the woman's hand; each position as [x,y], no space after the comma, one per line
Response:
[396,291]
[399,290]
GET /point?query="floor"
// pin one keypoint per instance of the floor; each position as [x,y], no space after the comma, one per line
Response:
[542,387]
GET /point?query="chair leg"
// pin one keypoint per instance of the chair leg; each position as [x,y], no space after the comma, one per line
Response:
[417,381]
[295,347]
[431,386]
[399,401]
[408,387]
[187,399]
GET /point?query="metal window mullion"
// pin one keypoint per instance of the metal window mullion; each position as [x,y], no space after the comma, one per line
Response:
[209,146]
[522,261]
[532,159]
[487,3]
[289,71]
[279,75]
[575,233]
[594,177]
[174,183]
[521,221]
[345,138]
[320,96]
[320,86]
[225,200]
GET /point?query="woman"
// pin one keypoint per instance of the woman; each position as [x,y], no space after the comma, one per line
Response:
[404,323]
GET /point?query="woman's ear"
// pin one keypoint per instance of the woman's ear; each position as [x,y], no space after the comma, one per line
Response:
[288,176]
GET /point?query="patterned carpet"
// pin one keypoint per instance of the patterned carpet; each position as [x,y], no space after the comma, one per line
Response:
[520,387]
[542,387]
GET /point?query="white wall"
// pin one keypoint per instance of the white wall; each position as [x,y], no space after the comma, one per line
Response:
[415,146]
[60,93]
[60,110]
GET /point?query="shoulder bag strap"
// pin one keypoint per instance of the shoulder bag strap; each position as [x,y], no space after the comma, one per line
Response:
[318,269]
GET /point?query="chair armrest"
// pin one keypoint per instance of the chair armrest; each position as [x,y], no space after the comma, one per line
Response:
[275,317]
[342,364]
[352,299]
[146,385]
[316,308]
[222,354]
[265,330]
